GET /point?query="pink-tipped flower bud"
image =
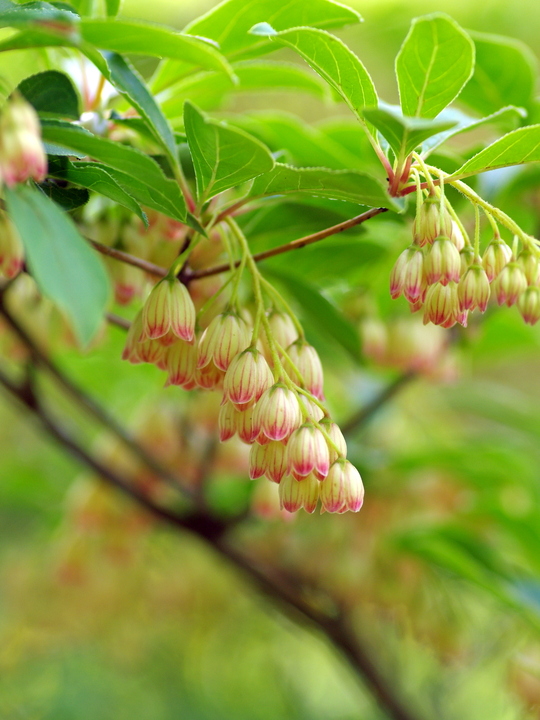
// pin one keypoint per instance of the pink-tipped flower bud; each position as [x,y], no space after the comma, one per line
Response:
[342,489]
[510,284]
[169,308]
[133,337]
[245,428]
[529,305]
[307,452]
[11,249]
[181,361]
[442,305]
[247,377]
[306,360]
[226,336]
[337,438]
[295,494]
[442,262]
[408,274]
[278,414]
[283,329]
[209,377]
[227,421]
[22,155]
[530,266]
[474,289]
[496,256]
[257,460]
[310,408]
[276,461]
[431,221]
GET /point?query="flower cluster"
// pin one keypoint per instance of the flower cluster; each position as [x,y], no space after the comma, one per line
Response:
[272,393]
[443,275]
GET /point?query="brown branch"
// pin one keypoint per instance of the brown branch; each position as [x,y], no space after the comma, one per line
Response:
[356,421]
[213,530]
[294,245]
[117,320]
[125,257]
[90,405]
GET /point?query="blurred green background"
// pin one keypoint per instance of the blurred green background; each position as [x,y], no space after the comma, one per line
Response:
[105,615]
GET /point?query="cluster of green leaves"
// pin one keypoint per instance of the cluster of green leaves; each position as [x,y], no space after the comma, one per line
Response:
[218,56]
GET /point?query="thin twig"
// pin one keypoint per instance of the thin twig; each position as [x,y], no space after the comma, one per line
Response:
[125,257]
[294,245]
[117,320]
[356,421]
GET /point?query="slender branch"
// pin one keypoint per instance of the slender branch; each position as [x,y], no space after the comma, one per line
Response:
[117,320]
[213,530]
[364,415]
[125,257]
[294,245]
[90,405]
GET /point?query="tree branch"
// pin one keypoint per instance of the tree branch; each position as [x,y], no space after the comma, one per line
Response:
[125,257]
[294,245]
[213,530]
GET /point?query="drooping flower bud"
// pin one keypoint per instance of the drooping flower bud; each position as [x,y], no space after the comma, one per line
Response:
[456,236]
[431,221]
[276,461]
[257,460]
[11,249]
[468,257]
[307,452]
[295,494]
[342,489]
[169,308]
[310,408]
[226,336]
[282,328]
[209,377]
[134,334]
[442,262]
[245,428]
[337,438]
[22,155]
[181,360]
[496,256]
[307,361]
[529,305]
[227,422]
[510,284]
[474,289]
[442,304]
[247,377]
[277,414]
[408,274]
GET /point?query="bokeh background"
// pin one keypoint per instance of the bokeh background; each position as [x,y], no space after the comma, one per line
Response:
[104,614]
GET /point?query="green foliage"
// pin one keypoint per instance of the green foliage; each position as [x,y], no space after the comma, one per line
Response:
[434,63]
[515,148]
[51,92]
[62,263]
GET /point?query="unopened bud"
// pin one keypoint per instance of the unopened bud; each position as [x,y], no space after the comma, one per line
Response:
[169,308]
[22,155]
[442,262]
[307,451]
[247,377]
[442,304]
[277,413]
[295,494]
[407,275]
[529,305]
[181,360]
[337,438]
[474,289]
[431,221]
[307,362]
[226,336]
[496,256]
[510,284]
[530,266]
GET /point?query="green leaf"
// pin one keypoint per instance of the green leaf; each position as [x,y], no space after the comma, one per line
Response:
[229,23]
[62,263]
[211,88]
[223,157]
[321,311]
[332,60]
[69,198]
[141,38]
[15,15]
[93,177]
[160,189]
[348,185]
[126,79]
[519,146]
[112,7]
[507,119]
[403,134]
[433,64]
[51,92]
[504,74]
